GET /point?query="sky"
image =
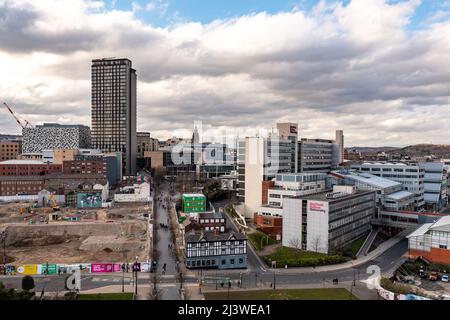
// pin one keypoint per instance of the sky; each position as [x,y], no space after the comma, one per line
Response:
[378,69]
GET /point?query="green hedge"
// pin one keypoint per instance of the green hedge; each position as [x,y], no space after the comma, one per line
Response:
[298,258]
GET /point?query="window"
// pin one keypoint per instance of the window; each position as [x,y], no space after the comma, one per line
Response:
[241,260]
[231,261]
[441,246]
[223,261]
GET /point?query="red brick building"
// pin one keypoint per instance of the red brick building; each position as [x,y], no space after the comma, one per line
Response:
[210,221]
[61,183]
[85,166]
[269,225]
[14,185]
[28,168]
[10,149]
[266,185]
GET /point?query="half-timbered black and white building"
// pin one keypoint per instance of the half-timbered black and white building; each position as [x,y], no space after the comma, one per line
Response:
[216,250]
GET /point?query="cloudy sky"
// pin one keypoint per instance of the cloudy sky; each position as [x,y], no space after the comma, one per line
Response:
[378,69]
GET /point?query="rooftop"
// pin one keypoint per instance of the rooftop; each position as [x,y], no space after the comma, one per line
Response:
[400,195]
[211,236]
[14,161]
[194,195]
[325,196]
[368,178]
[443,224]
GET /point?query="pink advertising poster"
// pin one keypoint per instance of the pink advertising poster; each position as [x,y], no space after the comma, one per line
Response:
[117,267]
[101,267]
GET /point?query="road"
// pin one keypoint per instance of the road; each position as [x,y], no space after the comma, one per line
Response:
[166,257]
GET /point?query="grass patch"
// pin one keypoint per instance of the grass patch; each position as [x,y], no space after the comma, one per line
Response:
[356,245]
[256,238]
[106,296]
[284,294]
[299,258]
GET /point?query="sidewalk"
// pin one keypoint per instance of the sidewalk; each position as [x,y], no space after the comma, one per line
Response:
[353,263]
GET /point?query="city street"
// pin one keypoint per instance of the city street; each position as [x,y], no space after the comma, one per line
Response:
[164,240]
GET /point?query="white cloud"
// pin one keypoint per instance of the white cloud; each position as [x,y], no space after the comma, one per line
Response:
[353,67]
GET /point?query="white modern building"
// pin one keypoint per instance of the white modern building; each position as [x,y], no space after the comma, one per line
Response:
[390,194]
[340,143]
[411,176]
[291,185]
[328,221]
[435,189]
[259,159]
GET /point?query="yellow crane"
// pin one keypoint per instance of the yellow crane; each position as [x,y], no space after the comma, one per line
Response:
[54,203]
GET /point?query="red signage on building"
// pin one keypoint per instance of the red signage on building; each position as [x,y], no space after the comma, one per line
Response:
[317,206]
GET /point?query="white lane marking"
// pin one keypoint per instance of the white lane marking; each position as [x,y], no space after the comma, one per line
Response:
[263,270]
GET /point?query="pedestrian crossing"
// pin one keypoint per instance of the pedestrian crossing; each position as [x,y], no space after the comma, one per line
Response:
[105,279]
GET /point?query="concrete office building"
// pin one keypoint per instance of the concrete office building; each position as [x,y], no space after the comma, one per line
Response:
[291,185]
[114,109]
[390,194]
[289,131]
[329,221]
[315,155]
[411,176]
[259,159]
[145,143]
[435,188]
[340,142]
[50,136]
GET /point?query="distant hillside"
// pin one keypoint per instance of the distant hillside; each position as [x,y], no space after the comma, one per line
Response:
[420,150]
[372,149]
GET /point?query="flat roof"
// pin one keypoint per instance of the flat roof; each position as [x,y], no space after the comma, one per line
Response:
[339,195]
[369,179]
[400,195]
[14,161]
[193,195]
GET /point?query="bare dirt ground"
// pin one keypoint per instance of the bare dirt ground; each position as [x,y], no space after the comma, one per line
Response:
[30,246]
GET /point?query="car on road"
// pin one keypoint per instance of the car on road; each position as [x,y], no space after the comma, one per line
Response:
[433,276]
[444,278]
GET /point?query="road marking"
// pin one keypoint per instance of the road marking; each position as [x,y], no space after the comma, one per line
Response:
[263,270]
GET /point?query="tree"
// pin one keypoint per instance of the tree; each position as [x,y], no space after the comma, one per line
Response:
[295,243]
[11,294]
[28,283]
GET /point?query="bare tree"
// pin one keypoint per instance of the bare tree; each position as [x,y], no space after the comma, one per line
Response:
[295,243]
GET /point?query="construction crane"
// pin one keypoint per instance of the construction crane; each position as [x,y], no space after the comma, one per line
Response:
[27,124]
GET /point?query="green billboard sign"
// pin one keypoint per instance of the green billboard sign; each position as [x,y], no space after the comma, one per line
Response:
[52,269]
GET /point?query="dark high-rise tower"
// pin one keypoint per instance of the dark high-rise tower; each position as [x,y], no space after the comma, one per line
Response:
[114,109]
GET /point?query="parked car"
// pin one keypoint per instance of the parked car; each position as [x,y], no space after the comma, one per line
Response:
[422,273]
[433,276]
[444,278]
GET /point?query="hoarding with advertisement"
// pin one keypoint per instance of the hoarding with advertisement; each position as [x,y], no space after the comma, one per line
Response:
[49,268]
[89,200]
[102,267]
[29,269]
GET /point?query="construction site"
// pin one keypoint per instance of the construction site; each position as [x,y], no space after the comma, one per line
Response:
[36,234]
